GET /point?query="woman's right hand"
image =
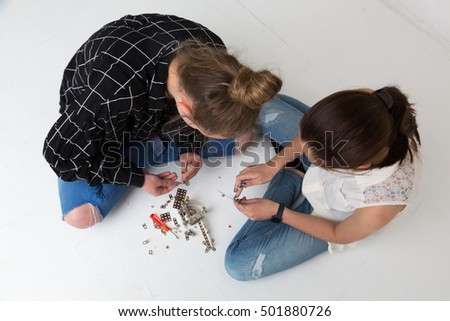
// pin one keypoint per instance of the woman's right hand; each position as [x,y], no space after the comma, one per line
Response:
[254,175]
[159,184]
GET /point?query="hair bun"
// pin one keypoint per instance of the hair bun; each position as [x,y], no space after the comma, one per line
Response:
[253,89]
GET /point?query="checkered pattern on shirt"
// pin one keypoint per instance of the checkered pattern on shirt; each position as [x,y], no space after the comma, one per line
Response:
[113,91]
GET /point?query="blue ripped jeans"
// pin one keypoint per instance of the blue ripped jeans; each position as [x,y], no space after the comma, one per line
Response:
[144,154]
[262,248]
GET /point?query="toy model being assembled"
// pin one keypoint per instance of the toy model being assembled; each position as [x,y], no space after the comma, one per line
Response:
[192,212]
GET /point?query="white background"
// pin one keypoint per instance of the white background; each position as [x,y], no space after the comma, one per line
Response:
[317,47]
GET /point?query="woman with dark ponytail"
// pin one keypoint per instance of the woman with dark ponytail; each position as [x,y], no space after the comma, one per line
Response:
[358,147]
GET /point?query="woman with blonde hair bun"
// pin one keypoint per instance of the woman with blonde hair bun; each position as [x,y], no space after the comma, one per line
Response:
[146,90]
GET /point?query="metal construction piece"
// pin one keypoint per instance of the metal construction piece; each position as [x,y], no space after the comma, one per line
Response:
[165,217]
[187,183]
[145,242]
[144,226]
[239,200]
[225,195]
[188,233]
[150,252]
[193,212]
[180,197]
[208,241]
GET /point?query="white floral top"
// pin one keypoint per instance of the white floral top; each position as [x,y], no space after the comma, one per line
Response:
[335,195]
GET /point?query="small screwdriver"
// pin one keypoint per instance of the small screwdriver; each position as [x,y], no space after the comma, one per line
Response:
[161,224]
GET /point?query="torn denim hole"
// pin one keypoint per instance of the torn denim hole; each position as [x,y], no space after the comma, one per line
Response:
[258,267]
[270,117]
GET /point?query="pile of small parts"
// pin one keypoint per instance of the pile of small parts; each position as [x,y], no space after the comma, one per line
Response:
[191,212]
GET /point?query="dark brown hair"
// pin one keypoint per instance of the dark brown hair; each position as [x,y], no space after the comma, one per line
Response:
[350,128]
[226,95]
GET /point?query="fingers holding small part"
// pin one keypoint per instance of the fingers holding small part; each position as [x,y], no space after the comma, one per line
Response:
[239,188]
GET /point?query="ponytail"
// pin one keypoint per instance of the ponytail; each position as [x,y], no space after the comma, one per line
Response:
[362,124]
[404,139]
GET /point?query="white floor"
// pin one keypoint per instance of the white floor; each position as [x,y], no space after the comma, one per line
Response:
[318,47]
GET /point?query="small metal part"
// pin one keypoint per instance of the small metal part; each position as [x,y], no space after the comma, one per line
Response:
[229,226]
[144,226]
[165,217]
[192,211]
[243,185]
[175,221]
[235,198]
[188,233]
[208,241]
[180,197]
[150,252]
[225,195]
[145,242]
[167,246]
[187,183]
[170,196]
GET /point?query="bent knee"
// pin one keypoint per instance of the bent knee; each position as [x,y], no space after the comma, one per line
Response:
[83,217]
[236,273]
[237,267]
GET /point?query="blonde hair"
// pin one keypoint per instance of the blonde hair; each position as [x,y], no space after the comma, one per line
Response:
[226,95]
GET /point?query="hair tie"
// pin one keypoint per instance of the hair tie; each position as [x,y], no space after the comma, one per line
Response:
[385,97]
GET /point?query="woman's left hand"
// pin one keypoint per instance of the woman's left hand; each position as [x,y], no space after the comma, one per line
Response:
[257,209]
[190,165]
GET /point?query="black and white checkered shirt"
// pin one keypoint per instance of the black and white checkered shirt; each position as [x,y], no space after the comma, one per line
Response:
[113,91]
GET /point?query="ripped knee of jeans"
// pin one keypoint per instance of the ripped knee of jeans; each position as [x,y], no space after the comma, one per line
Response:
[84,216]
[257,271]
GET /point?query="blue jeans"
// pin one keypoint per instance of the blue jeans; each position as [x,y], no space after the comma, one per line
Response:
[144,154]
[262,248]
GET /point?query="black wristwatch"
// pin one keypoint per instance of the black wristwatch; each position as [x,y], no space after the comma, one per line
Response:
[277,217]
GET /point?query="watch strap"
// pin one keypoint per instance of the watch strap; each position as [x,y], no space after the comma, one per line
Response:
[278,217]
